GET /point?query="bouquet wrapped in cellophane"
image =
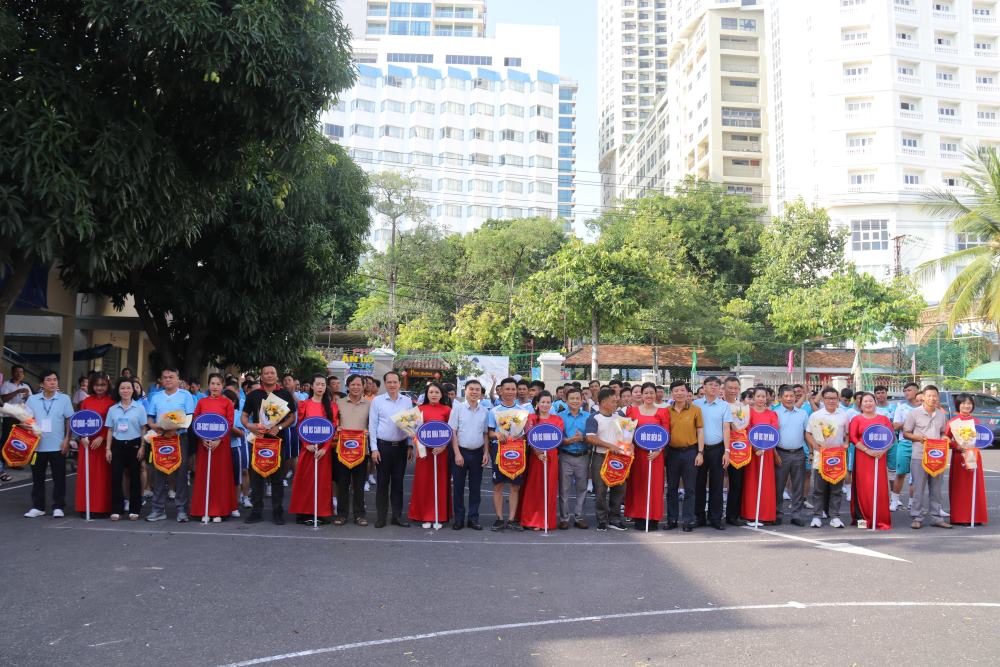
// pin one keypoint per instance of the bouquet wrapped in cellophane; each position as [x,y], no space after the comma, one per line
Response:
[512,422]
[964,431]
[272,410]
[741,416]
[408,421]
[625,429]
[822,430]
[23,414]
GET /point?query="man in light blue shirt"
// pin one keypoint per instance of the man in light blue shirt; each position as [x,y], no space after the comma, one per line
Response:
[507,401]
[717,417]
[390,450]
[51,410]
[470,453]
[792,424]
[171,398]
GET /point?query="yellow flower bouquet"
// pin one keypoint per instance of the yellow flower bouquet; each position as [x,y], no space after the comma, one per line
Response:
[175,419]
[964,431]
[408,421]
[512,422]
[273,410]
[626,429]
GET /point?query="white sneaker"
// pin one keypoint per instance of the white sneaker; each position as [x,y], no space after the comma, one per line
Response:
[368,486]
[809,505]
[848,489]
[680,494]
[438,526]
[58,514]
[816,523]
[825,515]
[425,524]
[235,514]
[894,502]
[371,479]
[216,519]
[247,502]
[33,513]
[172,495]
[182,517]
[835,522]
[941,513]
[785,495]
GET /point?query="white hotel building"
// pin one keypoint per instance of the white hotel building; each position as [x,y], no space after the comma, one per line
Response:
[485,125]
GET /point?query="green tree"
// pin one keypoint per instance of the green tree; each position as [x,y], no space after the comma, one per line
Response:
[423,334]
[847,306]
[586,290]
[310,362]
[125,123]
[975,291]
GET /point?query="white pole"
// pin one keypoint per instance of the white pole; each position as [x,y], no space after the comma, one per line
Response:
[975,479]
[208,485]
[760,481]
[649,486]
[437,521]
[315,487]
[86,483]
[545,490]
[875,496]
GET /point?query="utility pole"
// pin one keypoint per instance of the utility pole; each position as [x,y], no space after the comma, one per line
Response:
[897,253]
[392,285]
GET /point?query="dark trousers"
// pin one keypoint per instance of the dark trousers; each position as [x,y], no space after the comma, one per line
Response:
[680,465]
[472,467]
[124,455]
[276,480]
[389,473]
[58,464]
[712,473]
[350,485]
[735,501]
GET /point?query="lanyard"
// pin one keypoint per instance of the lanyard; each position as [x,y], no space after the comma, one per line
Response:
[47,404]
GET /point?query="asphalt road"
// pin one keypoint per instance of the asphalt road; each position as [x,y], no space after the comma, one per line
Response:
[124,593]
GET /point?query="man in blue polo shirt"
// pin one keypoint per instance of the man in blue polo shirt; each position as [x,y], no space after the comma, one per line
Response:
[792,423]
[717,417]
[574,460]
[508,401]
[51,410]
[170,399]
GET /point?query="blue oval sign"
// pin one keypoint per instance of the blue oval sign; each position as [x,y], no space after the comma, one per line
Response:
[545,436]
[512,454]
[85,423]
[878,437]
[936,453]
[616,464]
[210,426]
[265,453]
[739,445]
[350,444]
[18,445]
[833,461]
[166,449]
[651,437]
[316,430]
[434,434]
[763,436]
[984,436]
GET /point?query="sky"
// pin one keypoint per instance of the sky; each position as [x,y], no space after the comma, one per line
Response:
[577,20]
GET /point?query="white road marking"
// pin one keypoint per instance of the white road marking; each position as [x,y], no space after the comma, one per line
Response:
[114,641]
[841,547]
[604,617]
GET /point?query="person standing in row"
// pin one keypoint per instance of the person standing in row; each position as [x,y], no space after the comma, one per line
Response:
[222,498]
[509,390]
[792,429]
[251,419]
[825,494]
[52,410]
[904,448]
[390,451]
[717,417]
[644,476]
[761,466]
[739,412]
[966,466]
[92,454]
[434,407]
[574,461]
[867,500]
[171,398]
[126,421]
[921,424]
[685,454]
[470,441]
[602,435]
[353,413]
[317,404]
[541,464]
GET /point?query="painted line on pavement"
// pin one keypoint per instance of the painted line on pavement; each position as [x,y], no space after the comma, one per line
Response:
[604,617]
[841,547]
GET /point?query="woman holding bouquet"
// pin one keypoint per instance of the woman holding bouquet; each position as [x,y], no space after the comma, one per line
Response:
[966,465]
[533,498]
[318,404]
[761,465]
[646,412]
[866,462]
[221,493]
[436,406]
[92,455]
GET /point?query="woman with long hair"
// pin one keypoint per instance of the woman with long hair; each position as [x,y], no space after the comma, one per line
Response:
[126,422]
[761,465]
[221,494]
[966,466]
[533,498]
[646,412]
[866,463]
[93,461]
[436,406]
[319,404]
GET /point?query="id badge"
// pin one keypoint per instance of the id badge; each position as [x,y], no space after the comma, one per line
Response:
[46,425]
[122,425]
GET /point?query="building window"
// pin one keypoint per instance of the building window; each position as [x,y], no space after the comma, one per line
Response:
[480,159]
[861,178]
[565,123]
[911,142]
[950,181]
[906,69]
[540,162]
[451,159]
[911,179]
[484,84]
[421,158]
[856,69]
[481,108]
[516,187]
[544,87]
[362,131]
[422,107]
[377,9]
[409,57]
[512,135]
[392,131]
[451,210]
[481,134]
[965,240]
[508,160]
[728,23]
[565,196]
[363,105]
[452,133]
[450,185]
[511,62]
[856,105]
[860,141]
[468,60]
[948,112]
[512,110]
[334,131]
[541,110]
[732,117]
[539,135]
[566,137]
[453,107]
[566,151]
[949,146]
[565,165]
[869,234]
[511,84]
[985,78]
[421,132]
[375,28]
[541,187]
[480,185]
[394,106]
[479,211]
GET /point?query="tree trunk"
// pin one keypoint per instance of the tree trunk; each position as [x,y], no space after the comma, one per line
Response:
[16,278]
[156,329]
[595,331]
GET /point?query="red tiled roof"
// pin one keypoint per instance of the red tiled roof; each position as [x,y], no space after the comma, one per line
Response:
[422,364]
[641,356]
[845,359]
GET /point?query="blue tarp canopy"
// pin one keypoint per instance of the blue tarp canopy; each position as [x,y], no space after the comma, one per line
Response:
[368,70]
[547,77]
[396,70]
[518,76]
[429,72]
[488,74]
[456,73]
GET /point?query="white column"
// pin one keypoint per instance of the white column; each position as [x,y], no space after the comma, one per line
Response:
[382,361]
[551,363]
[839,382]
[338,368]
[746,382]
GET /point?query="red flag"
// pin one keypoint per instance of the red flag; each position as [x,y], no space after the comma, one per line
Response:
[791,361]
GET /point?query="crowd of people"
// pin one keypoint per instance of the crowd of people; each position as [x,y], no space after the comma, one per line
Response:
[707,476]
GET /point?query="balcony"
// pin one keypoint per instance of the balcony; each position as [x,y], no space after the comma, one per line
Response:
[855,80]
[950,120]
[740,67]
[744,98]
[941,83]
[734,171]
[987,88]
[951,155]
[902,9]
[911,115]
[950,50]
[856,151]
[907,43]
[902,78]
[983,122]
[977,18]
[855,43]
[741,146]
[945,16]
[985,53]
[915,152]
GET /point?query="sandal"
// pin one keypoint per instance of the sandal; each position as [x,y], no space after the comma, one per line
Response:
[5,477]
[339,521]
[361,521]
[133,517]
[115,517]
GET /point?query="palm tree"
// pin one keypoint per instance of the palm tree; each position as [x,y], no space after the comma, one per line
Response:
[975,291]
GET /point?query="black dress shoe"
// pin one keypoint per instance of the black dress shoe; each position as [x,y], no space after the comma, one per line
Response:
[402,523]
[564,525]
[736,522]
[474,525]
[718,525]
[253,518]
[380,523]
[457,526]
[278,519]
[670,525]
[688,527]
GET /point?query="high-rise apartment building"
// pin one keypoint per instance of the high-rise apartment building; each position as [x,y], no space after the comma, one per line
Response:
[874,102]
[632,72]
[485,126]
[711,122]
